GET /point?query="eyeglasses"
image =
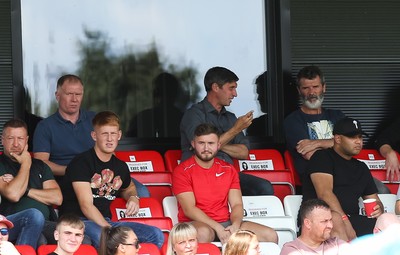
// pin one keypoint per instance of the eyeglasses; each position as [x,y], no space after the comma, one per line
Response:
[4,231]
[136,244]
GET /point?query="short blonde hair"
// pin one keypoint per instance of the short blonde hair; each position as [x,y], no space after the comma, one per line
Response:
[181,231]
[239,242]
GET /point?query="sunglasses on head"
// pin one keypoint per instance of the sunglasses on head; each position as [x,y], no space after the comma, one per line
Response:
[135,243]
[4,231]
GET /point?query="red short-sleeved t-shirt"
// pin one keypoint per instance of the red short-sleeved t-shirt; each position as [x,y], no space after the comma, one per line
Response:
[209,186]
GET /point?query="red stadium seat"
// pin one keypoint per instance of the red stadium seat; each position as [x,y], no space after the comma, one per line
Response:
[159,184]
[172,159]
[208,248]
[203,248]
[281,180]
[148,249]
[268,164]
[261,159]
[142,161]
[290,165]
[25,250]
[151,214]
[84,249]
[149,207]
[376,164]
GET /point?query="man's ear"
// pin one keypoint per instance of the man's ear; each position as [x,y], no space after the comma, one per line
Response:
[93,135]
[56,235]
[337,138]
[214,87]
[119,135]
[192,143]
[324,87]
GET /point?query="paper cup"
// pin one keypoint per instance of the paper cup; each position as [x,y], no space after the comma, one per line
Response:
[369,205]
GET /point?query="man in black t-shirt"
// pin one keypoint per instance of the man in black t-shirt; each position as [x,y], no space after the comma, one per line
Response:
[334,176]
[99,177]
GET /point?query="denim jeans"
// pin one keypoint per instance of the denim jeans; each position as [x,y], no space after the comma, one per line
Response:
[145,233]
[28,225]
[254,186]
[141,190]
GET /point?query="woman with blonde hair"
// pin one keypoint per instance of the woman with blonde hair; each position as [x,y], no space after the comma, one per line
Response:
[118,240]
[182,240]
[242,242]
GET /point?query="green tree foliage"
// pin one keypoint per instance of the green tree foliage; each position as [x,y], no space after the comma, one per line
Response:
[123,82]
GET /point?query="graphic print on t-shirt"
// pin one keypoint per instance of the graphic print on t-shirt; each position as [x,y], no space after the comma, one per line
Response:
[322,129]
[105,185]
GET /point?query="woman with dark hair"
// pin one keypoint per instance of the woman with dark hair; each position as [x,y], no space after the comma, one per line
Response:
[118,240]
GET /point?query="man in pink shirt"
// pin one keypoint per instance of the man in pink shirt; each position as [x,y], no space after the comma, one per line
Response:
[315,221]
[206,186]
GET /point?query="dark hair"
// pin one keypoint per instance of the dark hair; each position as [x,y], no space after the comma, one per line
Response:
[307,207]
[105,118]
[70,219]
[219,75]
[68,77]
[310,73]
[111,237]
[15,123]
[205,129]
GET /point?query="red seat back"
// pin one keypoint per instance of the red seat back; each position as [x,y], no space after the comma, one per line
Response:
[261,159]
[281,180]
[84,249]
[149,207]
[290,165]
[148,249]
[159,184]
[172,159]
[25,250]
[142,161]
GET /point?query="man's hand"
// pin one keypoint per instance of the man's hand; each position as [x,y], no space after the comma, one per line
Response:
[24,158]
[306,145]
[377,211]
[232,228]
[392,166]
[132,206]
[243,122]
[7,178]
[350,232]
[223,234]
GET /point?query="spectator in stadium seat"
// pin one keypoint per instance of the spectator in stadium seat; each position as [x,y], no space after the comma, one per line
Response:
[220,84]
[25,184]
[66,133]
[205,186]
[119,240]
[182,240]
[99,177]
[309,128]
[334,176]
[242,242]
[315,220]
[388,142]
[69,234]
[6,247]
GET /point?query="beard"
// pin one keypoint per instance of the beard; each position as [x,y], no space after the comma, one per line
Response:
[315,104]
[206,157]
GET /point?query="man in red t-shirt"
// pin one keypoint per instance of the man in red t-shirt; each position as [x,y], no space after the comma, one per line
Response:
[206,186]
